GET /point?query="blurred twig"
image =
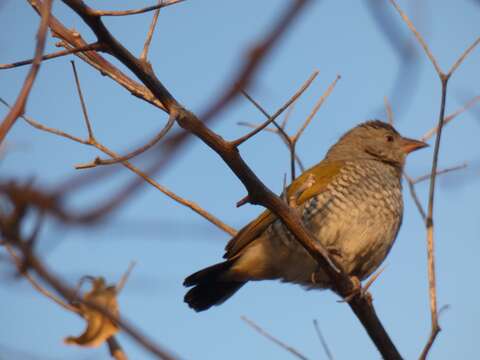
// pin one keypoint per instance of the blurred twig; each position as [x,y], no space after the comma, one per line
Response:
[19,107]
[263,332]
[324,343]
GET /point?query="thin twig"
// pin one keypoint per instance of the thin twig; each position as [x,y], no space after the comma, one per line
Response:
[161,4]
[280,128]
[419,38]
[99,162]
[125,276]
[315,109]
[324,343]
[389,111]
[91,138]
[296,137]
[295,96]
[148,40]
[470,103]
[193,206]
[19,107]
[435,327]
[463,57]
[414,195]
[429,223]
[440,172]
[95,46]
[42,127]
[261,331]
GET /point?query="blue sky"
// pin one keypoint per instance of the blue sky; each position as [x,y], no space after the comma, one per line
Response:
[197,48]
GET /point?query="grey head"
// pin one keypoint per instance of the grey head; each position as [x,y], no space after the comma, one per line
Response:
[374,140]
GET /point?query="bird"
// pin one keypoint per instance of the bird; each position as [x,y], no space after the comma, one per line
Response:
[351,201]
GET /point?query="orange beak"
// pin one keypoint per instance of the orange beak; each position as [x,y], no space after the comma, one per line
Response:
[409,145]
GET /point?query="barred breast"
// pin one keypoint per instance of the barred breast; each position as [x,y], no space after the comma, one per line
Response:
[357,218]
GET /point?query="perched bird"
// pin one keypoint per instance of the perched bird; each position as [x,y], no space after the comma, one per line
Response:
[352,204]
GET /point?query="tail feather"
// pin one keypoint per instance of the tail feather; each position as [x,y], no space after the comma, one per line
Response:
[212,286]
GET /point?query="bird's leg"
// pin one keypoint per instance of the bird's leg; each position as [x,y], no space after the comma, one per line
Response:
[362,291]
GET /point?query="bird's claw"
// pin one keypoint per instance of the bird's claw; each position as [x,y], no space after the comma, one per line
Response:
[358,290]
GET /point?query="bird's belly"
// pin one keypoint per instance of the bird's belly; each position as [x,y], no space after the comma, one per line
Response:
[359,241]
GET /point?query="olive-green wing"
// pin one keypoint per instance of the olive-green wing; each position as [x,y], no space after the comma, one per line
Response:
[319,176]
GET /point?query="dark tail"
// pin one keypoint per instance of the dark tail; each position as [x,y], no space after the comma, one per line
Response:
[211,286]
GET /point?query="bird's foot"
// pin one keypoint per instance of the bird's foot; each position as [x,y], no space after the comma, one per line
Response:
[358,290]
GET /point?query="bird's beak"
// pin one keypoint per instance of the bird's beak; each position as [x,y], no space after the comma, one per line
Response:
[409,145]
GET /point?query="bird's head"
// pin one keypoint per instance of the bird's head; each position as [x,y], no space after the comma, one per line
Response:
[374,140]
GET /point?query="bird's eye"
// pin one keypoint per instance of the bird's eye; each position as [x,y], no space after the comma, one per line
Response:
[389,138]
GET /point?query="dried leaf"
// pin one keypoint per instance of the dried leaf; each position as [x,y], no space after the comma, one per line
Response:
[99,327]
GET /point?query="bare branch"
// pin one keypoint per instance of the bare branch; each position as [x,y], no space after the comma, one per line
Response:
[148,40]
[440,172]
[91,138]
[463,57]
[413,194]
[325,347]
[290,101]
[95,46]
[41,127]
[315,109]
[19,107]
[261,331]
[388,109]
[136,152]
[419,38]
[124,278]
[450,117]
[161,4]
[429,223]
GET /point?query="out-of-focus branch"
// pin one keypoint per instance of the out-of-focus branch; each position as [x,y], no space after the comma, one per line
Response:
[35,284]
[389,111]
[161,4]
[272,338]
[19,107]
[115,349]
[256,55]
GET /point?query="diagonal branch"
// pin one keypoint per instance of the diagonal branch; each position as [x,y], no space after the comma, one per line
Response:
[19,107]
[151,29]
[264,333]
[272,118]
[88,47]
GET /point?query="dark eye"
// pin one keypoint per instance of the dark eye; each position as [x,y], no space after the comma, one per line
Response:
[389,138]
